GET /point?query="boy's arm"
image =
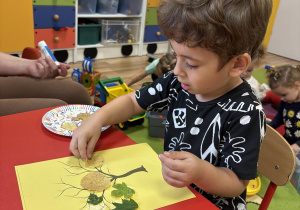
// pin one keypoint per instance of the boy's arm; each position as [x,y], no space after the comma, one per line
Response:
[183,168]
[86,136]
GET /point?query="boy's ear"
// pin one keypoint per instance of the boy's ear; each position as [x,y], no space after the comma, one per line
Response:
[240,64]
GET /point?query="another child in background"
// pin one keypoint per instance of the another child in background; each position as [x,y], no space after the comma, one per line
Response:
[215,124]
[262,91]
[156,68]
[285,82]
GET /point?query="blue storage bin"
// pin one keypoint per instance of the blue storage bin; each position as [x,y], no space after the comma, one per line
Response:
[87,7]
[153,34]
[107,6]
[130,7]
[43,17]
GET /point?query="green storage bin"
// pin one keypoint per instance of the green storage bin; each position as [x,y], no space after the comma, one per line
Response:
[89,34]
[54,2]
[151,17]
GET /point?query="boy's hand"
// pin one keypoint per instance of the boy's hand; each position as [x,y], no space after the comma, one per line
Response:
[180,169]
[84,139]
[46,68]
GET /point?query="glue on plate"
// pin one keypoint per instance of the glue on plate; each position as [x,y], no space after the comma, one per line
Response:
[47,52]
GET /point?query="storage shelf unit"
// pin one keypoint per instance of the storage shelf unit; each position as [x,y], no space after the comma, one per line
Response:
[112,50]
[61,36]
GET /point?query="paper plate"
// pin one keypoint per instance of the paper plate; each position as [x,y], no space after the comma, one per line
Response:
[54,119]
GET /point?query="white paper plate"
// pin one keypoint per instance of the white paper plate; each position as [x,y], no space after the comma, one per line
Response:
[53,119]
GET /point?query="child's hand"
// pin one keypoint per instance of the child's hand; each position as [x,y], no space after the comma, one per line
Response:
[46,68]
[180,169]
[296,148]
[84,138]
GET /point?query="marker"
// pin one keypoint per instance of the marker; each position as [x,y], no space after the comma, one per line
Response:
[47,52]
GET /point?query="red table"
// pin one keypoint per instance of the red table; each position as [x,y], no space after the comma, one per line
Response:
[23,140]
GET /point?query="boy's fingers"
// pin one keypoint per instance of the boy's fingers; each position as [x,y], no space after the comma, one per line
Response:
[173,182]
[174,160]
[91,146]
[168,162]
[173,177]
[73,147]
[82,146]
[176,155]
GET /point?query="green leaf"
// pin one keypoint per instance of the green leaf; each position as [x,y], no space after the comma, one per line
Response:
[122,190]
[126,205]
[93,199]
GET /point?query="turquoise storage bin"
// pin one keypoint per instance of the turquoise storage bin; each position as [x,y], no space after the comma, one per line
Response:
[107,6]
[87,6]
[89,34]
[130,7]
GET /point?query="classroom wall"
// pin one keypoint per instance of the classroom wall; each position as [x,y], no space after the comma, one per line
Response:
[271,22]
[16,25]
[285,37]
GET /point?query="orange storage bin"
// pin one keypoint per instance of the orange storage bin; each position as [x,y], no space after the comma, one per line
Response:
[153,3]
[64,38]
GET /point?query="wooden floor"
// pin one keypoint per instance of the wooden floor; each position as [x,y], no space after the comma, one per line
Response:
[126,67]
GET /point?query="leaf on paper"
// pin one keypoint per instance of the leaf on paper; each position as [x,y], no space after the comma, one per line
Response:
[122,190]
[126,205]
[94,199]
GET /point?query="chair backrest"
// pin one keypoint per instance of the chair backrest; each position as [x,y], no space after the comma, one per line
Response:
[31,53]
[276,162]
[277,159]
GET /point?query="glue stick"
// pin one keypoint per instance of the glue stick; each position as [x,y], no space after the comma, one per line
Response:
[47,52]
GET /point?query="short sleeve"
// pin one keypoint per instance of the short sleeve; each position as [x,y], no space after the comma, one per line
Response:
[150,69]
[155,96]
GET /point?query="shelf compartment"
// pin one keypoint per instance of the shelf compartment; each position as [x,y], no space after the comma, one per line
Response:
[119,31]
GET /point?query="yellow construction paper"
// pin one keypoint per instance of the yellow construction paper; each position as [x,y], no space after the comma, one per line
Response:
[55,184]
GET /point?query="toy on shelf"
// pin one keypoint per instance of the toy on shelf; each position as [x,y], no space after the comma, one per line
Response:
[109,89]
[114,31]
[124,35]
[88,77]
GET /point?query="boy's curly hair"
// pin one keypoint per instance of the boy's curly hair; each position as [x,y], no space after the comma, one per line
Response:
[225,27]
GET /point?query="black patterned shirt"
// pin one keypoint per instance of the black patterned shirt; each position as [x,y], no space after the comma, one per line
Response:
[227,131]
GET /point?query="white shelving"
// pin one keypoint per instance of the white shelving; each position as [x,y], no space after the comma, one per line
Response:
[107,16]
[111,51]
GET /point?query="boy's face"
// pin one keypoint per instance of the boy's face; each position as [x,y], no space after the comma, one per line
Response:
[198,72]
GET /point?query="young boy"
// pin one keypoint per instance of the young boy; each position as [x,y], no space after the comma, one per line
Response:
[215,124]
